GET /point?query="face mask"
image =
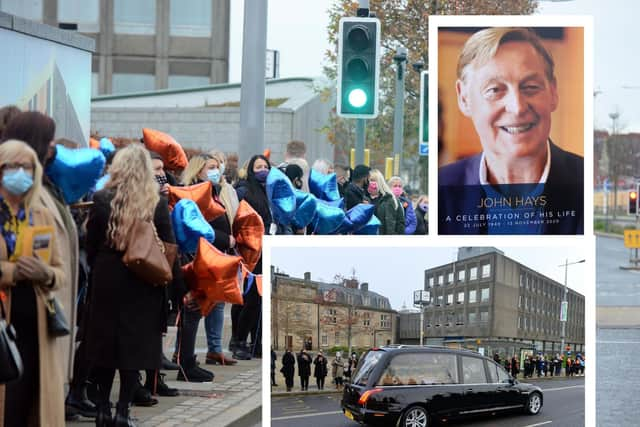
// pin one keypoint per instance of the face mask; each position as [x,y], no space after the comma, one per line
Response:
[424,207]
[372,188]
[17,182]
[221,168]
[261,175]
[213,175]
[397,191]
[161,180]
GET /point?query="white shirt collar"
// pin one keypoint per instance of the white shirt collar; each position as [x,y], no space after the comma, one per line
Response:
[482,173]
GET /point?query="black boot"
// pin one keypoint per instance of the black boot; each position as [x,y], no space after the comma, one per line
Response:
[191,372]
[233,344]
[122,418]
[242,351]
[103,416]
[77,403]
[158,386]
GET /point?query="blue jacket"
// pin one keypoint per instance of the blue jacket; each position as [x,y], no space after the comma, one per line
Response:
[410,221]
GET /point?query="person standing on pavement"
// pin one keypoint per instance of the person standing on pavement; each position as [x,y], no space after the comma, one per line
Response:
[388,209]
[337,370]
[351,365]
[514,367]
[410,221]
[356,190]
[288,368]
[320,369]
[273,368]
[304,369]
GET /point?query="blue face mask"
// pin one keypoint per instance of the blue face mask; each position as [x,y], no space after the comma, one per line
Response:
[213,175]
[424,207]
[261,175]
[17,181]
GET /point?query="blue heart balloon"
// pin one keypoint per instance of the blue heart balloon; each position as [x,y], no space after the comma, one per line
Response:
[336,203]
[324,187]
[101,182]
[189,225]
[327,219]
[306,205]
[356,218]
[75,171]
[372,226]
[281,196]
[106,147]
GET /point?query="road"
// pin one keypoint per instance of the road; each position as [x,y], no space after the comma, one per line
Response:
[615,287]
[563,406]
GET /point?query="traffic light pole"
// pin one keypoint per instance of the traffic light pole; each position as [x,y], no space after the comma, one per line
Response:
[398,121]
[360,139]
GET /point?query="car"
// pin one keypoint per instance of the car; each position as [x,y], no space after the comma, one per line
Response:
[411,386]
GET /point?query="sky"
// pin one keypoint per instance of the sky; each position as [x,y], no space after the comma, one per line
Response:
[298,30]
[397,279]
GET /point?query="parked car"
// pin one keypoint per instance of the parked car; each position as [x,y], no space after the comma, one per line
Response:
[410,386]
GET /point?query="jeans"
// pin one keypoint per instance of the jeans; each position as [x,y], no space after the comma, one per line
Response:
[213,324]
[186,337]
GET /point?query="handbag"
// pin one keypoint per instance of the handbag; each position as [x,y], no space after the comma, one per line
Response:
[145,254]
[10,360]
[56,323]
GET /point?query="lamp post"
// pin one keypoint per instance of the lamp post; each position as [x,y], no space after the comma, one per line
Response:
[421,298]
[564,310]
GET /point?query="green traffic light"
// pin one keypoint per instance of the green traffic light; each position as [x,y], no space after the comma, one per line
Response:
[357,98]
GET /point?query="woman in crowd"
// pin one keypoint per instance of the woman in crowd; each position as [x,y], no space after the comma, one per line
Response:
[337,370]
[288,368]
[128,316]
[410,222]
[320,369]
[422,219]
[325,167]
[36,399]
[388,210]
[304,369]
[227,193]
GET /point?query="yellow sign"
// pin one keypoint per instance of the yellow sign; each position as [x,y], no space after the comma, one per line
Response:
[632,239]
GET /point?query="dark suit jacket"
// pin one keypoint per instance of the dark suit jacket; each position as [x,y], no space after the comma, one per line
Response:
[459,193]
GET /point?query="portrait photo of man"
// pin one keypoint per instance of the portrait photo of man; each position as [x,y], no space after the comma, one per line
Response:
[517,179]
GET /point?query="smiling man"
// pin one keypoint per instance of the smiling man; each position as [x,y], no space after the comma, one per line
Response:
[521,183]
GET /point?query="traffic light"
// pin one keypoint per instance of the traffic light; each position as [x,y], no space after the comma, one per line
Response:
[358,67]
[633,202]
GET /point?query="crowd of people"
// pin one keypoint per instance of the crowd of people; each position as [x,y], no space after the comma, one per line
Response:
[542,365]
[341,368]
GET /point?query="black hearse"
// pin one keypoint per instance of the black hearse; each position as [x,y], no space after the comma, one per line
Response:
[409,386]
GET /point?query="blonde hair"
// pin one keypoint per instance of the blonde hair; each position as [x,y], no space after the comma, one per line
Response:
[136,193]
[322,166]
[13,149]
[228,195]
[483,45]
[193,169]
[376,176]
[394,179]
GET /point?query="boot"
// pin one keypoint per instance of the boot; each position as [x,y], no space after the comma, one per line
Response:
[191,372]
[242,351]
[143,397]
[103,416]
[122,418]
[233,344]
[219,359]
[168,365]
[158,386]
[77,403]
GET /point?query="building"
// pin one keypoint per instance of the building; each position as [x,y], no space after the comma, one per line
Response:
[490,303]
[321,315]
[143,44]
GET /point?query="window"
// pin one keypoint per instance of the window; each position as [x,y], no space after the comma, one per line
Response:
[440,280]
[520,322]
[449,298]
[497,374]
[385,322]
[461,275]
[81,12]
[472,296]
[486,271]
[484,294]
[484,316]
[420,368]
[450,278]
[31,9]
[366,320]
[520,299]
[521,280]
[130,82]
[324,340]
[473,370]
[473,273]
[191,18]
[460,318]
[135,17]
[337,342]
[460,299]
[473,317]
[440,299]
[431,282]
[331,313]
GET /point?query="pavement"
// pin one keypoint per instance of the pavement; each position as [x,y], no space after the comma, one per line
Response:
[233,399]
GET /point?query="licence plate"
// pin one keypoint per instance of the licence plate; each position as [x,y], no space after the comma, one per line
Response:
[348,414]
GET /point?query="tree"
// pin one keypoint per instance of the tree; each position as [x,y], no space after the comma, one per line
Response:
[404,23]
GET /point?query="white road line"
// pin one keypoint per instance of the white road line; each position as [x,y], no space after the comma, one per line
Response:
[562,388]
[318,414]
[617,342]
[539,424]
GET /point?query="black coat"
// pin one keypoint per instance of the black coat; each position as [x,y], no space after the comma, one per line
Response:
[288,365]
[421,223]
[127,315]
[304,365]
[354,195]
[320,367]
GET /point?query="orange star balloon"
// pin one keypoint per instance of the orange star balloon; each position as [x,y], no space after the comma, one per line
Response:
[248,230]
[168,148]
[199,193]
[215,277]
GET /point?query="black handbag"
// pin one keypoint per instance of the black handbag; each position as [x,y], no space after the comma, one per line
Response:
[56,323]
[10,360]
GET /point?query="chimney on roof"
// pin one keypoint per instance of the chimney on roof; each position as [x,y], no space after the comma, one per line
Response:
[364,287]
[307,276]
[351,283]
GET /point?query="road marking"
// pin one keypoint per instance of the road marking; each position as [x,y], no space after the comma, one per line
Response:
[539,424]
[562,388]
[318,414]
[617,342]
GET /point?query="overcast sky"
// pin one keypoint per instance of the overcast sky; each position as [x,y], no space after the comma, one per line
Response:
[298,30]
[396,272]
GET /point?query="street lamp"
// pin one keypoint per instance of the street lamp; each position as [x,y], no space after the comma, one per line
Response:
[421,298]
[565,309]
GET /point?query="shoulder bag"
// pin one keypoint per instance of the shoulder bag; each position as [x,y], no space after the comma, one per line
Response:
[145,255]
[10,360]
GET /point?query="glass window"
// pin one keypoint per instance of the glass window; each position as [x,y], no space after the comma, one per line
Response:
[473,370]
[190,18]
[472,296]
[460,297]
[450,278]
[473,273]
[461,275]
[486,271]
[28,9]
[460,318]
[497,374]
[440,299]
[420,368]
[134,17]
[484,294]
[484,316]
[431,282]
[81,12]
[367,364]
[324,340]
[473,317]
[130,82]
[181,82]
[450,299]
[440,279]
